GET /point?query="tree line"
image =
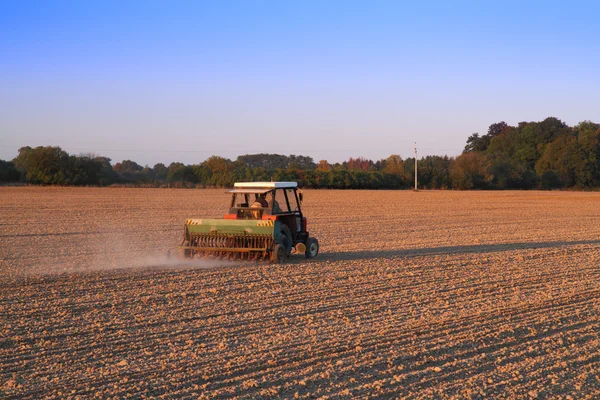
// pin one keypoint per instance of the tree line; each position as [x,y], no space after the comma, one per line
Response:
[532,155]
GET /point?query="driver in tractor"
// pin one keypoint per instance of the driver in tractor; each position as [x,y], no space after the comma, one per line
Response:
[260,202]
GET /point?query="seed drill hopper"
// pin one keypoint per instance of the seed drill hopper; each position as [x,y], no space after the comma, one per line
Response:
[265,222]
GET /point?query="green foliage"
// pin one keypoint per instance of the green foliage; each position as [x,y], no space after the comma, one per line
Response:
[53,166]
[547,155]
[179,172]
[393,165]
[470,171]
[107,174]
[131,172]
[44,165]
[302,163]
[128,166]
[588,138]
[324,166]
[481,143]
[160,171]
[560,156]
[277,161]
[434,172]
[477,143]
[508,174]
[8,172]
[220,171]
[360,164]
[550,180]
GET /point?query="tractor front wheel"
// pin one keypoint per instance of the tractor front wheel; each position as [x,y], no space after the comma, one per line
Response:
[312,248]
[286,239]
[279,254]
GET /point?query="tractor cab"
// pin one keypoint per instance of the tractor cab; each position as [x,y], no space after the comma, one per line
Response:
[275,201]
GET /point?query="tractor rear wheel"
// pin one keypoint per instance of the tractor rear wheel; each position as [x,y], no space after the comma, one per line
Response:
[286,238]
[279,254]
[312,248]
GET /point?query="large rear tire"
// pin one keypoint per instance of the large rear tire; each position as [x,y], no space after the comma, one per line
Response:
[312,248]
[286,239]
[279,254]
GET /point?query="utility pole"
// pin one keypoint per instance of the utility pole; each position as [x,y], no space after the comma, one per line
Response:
[416,166]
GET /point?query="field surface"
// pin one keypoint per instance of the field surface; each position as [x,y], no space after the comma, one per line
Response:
[421,295]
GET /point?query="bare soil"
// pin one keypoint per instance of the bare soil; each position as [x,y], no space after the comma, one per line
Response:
[422,295]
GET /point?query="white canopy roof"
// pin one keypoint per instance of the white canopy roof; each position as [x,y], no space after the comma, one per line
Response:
[260,187]
[265,185]
[249,190]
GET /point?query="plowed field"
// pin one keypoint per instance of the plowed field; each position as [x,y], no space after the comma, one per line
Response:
[421,295]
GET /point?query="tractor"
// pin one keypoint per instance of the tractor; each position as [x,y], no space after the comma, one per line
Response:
[265,222]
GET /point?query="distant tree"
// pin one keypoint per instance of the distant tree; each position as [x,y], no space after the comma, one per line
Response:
[266,161]
[8,172]
[189,174]
[547,154]
[551,128]
[272,162]
[323,166]
[283,175]
[43,165]
[528,143]
[323,179]
[434,172]
[470,171]
[501,147]
[218,164]
[562,156]
[477,143]
[175,172]
[107,174]
[82,170]
[395,170]
[394,165]
[550,180]
[240,172]
[301,163]
[497,129]
[259,174]
[160,171]
[220,171]
[359,163]
[339,179]
[508,174]
[588,139]
[481,143]
[22,159]
[203,174]
[147,174]
[128,166]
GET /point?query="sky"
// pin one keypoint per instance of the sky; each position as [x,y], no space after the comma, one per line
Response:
[180,81]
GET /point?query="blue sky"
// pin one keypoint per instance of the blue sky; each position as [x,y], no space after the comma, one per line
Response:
[180,81]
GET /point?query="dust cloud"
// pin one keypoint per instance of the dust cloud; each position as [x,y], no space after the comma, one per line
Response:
[112,253]
[173,262]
